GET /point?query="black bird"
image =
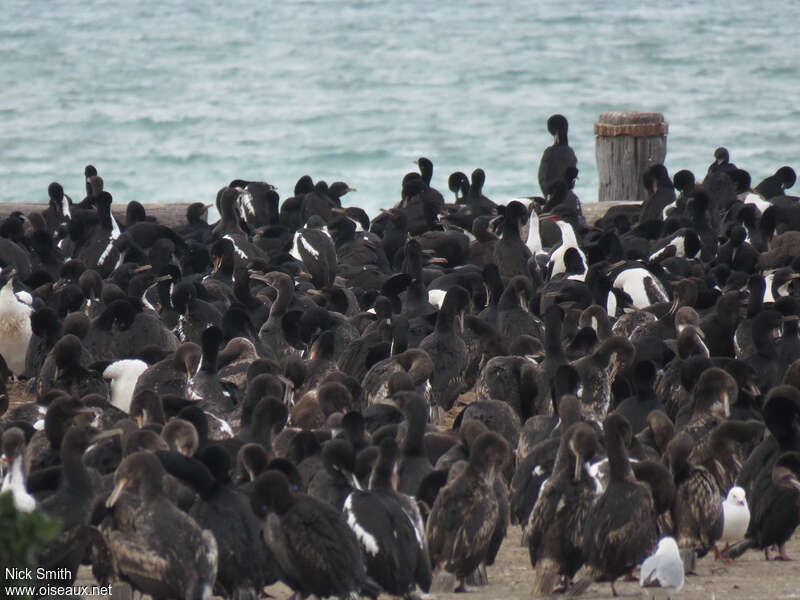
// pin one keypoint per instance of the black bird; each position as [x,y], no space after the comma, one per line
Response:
[781,412]
[447,351]
[558,157]
[389,528]
[514,318]
[766,330]
[510,253]
[316,552]
[776,515]
[662,193]
[244,567]
[775,185]
[719,326]
[413,465]
[636,408]
[315,248]
[73,502]
[336,482]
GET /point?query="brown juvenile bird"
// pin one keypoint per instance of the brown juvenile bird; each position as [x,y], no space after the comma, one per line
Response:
[464,516]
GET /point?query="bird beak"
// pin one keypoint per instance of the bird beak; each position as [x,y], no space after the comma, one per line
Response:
[673,307]
[260,277]
[578,467]
[351,477]
[117,492]
[726,405]
[288,390]
[104,435]
[389,402]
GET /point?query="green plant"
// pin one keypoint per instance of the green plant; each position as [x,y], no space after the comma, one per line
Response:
[22,536]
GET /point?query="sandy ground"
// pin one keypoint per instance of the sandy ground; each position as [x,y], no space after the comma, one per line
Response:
[749,577]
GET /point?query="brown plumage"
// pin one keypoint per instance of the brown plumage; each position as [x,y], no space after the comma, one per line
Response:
[464,516]
[598,371]
[165,554]
[720,452]
[714,393]
[697,511]
[415,362]
[621,527]
[556,525]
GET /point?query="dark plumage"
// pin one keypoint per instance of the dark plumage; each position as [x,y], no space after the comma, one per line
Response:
[556,527]
[558,157]
[72,503]
[389,528]
[464,516]
[163,553]
[447,351]
[316,552]
[621,526]
[697,511]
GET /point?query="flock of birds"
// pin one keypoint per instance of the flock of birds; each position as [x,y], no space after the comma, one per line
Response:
[356,406]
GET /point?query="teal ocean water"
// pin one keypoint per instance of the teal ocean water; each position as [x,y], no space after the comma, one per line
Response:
[173,99]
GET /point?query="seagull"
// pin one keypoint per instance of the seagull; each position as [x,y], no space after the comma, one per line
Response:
[735,519]
[663,569]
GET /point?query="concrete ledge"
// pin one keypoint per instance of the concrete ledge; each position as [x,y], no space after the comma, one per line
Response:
[174,214]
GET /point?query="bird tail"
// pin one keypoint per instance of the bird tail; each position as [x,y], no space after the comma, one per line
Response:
[585,576]
[371,588]
[740,548]
[545,578]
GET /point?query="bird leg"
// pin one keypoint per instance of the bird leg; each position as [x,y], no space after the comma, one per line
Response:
[613,589]
[478,577]
[462,586]
[725,556]
[782,553]
[484,576]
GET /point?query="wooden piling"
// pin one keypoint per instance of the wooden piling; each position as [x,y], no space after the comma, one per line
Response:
[627,144]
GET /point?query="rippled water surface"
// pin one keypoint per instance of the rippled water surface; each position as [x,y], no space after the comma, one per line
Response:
[171,100]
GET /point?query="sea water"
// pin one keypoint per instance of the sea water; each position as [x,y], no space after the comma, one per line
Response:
[171,100]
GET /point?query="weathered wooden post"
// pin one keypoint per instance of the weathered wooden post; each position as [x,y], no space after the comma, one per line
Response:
[627,143]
